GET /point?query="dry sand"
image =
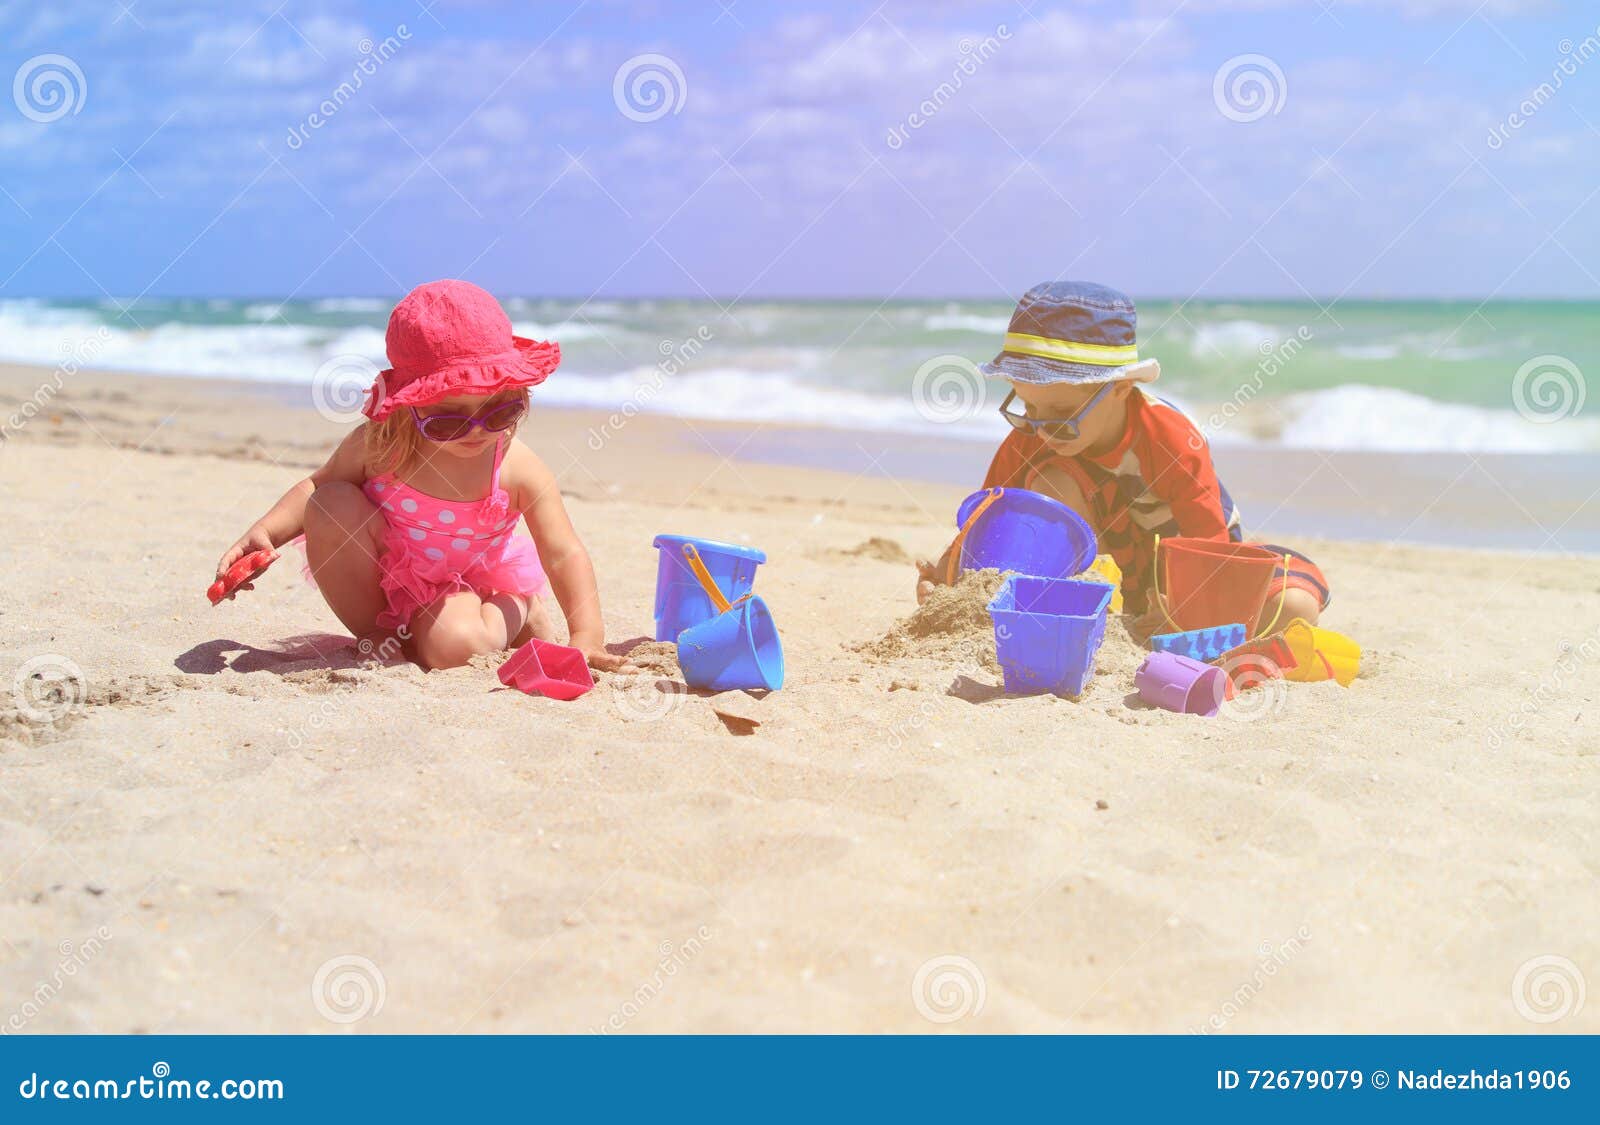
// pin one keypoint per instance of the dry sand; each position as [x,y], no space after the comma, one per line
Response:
[239,826]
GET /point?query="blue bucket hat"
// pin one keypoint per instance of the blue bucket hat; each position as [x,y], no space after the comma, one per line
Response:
[1072,332]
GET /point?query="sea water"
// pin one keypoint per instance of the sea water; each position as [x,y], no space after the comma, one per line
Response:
[1401,376]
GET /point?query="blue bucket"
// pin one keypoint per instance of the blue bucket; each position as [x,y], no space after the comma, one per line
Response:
[1046,632]
[1028,533]
[680,602]
[733,651]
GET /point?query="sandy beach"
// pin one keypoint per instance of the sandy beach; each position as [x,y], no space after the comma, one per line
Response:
[235,824]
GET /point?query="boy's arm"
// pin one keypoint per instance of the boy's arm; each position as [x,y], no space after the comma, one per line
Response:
[565,560]
[1050,480]
[1187,479]
[1008,466]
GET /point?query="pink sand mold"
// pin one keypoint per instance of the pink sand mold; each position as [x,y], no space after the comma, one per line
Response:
[542,668]
[1176,683]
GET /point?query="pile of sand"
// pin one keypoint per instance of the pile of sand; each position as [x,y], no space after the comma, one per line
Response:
[657,657]
[952,626]
[884,550]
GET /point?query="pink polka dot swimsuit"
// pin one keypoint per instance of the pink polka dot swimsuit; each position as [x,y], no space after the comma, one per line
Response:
[434,547]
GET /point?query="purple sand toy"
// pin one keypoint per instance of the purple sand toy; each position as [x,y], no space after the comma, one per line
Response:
[1179,684]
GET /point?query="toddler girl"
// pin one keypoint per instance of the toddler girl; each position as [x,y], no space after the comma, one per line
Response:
[409,527]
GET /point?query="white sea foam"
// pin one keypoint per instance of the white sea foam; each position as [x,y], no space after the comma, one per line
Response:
[1368,352]
[738,394]
[1382,418]
[767,384]
[966,322]
[1236,338]
[352,305]
[566,331]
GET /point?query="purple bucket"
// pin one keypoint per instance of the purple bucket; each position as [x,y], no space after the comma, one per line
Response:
[1176,683]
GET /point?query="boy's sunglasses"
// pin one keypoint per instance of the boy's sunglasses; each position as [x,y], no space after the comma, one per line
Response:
[1062,429]
[454,427]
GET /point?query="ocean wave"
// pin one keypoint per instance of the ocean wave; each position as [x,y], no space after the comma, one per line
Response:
[352,305]
[1360,417]
[967,322]
[1368,352]
[1236,338]
[565,332]
[776,384]
[740,395]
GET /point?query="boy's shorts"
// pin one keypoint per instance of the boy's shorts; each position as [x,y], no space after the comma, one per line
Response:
[1303,575]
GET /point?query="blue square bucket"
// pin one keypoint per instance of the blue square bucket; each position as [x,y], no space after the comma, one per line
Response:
[1047,631]
[681,602]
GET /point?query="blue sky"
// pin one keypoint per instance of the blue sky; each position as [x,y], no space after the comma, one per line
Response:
[1088,140]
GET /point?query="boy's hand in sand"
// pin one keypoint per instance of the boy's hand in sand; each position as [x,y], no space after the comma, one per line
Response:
[256,539]
[931,574]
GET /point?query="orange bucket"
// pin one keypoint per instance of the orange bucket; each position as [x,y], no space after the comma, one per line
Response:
[1211,583]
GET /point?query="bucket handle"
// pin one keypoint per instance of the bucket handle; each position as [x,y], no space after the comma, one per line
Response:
[1161,600]
[953,567]
[1283,596]
[707,583]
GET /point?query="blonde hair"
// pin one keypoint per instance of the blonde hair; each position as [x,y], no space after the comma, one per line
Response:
[394,444]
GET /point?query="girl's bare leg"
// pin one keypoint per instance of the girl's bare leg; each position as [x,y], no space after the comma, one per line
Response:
[536,623]
[459,626]
[343,542]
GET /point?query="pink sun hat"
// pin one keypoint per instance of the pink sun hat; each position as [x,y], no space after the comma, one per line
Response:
[452,338]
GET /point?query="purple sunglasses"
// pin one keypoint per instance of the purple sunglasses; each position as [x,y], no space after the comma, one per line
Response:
[454,427]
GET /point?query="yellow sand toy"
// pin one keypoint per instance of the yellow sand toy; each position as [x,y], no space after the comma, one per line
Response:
[1105,569]
[1320,654]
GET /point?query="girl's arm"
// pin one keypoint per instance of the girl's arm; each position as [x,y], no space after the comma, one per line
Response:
[287,518]
[566,562]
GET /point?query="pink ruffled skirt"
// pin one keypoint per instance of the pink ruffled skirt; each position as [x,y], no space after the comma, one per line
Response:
[412,580]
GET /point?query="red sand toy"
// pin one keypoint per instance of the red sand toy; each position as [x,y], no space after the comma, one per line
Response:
[542,668]
[246,570]
[1252,663]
